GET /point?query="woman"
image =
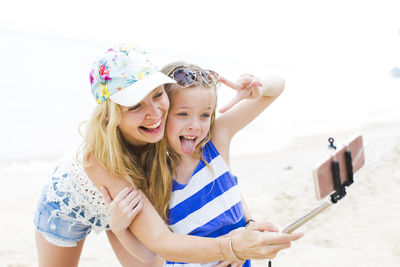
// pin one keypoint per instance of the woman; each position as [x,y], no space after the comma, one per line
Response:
[120,147]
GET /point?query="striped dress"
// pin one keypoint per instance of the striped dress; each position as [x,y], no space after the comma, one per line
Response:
[209,205]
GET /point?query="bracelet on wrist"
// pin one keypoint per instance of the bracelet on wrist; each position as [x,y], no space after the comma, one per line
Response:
[232,252]
[224,248]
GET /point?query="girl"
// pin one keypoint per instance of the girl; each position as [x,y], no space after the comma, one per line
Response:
[205,199]
[121,148]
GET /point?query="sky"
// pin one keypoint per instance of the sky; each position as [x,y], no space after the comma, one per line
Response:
[286,31]
[331,53]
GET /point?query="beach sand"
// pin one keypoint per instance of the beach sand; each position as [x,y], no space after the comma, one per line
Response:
[360,230]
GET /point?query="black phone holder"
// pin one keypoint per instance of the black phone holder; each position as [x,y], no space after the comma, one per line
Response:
[340,190]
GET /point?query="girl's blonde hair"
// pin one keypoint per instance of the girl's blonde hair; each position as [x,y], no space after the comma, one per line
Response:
[171,89]
[147,171]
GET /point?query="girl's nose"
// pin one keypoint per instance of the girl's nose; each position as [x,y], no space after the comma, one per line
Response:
[194,125]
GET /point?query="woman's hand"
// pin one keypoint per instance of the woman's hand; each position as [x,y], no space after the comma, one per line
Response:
[247,87]
[236,263]
[261,241]
[124,208]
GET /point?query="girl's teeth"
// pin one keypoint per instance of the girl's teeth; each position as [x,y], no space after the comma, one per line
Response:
[155,125]
[189,137]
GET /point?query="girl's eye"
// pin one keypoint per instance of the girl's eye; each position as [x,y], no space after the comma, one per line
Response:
[205,115]
[182,114]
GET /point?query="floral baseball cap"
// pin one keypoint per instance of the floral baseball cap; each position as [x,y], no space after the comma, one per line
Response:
[125,75]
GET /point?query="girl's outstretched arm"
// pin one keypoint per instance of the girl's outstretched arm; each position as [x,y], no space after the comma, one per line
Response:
[123,209]
[254,96]
[256,242]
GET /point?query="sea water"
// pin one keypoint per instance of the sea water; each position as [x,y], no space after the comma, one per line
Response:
[45,93]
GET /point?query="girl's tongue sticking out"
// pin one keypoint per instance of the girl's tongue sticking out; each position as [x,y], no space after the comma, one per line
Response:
[188,144]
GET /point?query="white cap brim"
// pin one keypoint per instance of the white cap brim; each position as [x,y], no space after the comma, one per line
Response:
[133,94]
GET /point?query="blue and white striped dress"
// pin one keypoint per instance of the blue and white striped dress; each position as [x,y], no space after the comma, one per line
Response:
[209,205]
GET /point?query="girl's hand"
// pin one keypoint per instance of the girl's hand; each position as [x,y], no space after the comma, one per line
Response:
[247,87]
[124,208]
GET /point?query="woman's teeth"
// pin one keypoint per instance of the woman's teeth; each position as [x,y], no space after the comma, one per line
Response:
[153,126]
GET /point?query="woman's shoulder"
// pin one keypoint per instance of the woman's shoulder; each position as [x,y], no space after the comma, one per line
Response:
[94,170]
[101,177]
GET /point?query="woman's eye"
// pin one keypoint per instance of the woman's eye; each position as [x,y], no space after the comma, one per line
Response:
[134,108]
[159,94]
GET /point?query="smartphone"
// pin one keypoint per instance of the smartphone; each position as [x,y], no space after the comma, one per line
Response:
[323,177]
[322,173]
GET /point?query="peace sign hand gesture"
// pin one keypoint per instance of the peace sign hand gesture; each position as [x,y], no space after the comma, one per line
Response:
[247,87]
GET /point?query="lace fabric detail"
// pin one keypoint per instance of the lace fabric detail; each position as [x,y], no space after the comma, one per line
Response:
[79,200]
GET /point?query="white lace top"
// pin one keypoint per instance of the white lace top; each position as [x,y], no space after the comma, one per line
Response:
[77,195]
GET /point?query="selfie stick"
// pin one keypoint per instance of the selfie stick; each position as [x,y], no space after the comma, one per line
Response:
[340,190]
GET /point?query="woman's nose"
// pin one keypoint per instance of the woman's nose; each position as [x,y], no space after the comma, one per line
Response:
[152,111]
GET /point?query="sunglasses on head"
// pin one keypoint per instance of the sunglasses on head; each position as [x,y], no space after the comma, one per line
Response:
[185,77]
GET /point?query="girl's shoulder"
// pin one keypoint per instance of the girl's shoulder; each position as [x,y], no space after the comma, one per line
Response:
[210,151]
[220,142]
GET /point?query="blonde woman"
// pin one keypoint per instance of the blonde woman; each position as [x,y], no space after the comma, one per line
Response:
[121,149]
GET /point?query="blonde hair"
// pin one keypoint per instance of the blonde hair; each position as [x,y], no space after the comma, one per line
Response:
[171,89]
[147,171]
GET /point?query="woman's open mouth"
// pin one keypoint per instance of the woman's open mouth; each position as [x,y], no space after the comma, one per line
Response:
[153,128]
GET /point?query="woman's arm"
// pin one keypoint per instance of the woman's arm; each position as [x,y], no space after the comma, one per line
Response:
[123,209]
[256,242]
